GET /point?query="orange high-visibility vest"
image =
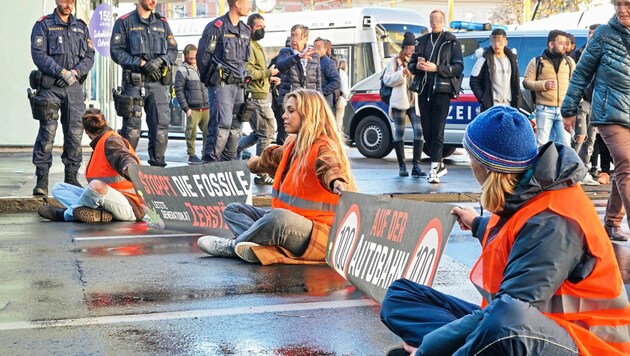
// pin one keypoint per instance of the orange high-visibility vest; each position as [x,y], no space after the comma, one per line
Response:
[594,311]
[302,193]
[99,168]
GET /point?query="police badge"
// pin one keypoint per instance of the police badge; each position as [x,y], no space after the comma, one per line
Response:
[116,39]
[39,41]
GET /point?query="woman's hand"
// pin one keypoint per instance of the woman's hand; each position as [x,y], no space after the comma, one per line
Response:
[338,186]
[465,216]
[427,66]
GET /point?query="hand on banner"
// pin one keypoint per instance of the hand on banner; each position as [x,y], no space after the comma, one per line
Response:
[465,216]
[338,186]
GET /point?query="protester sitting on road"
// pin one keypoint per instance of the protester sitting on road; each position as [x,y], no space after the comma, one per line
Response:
[402,106]
[109,193]
[536,301]
[311,170]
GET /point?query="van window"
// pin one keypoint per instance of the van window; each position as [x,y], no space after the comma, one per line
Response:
[362,62]
[395,34]
[469,46]
[530,47]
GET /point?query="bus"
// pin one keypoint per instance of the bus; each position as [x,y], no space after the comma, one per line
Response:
[364,37]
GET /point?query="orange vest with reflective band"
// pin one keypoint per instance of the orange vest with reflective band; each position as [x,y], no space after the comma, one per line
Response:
[594,311]
[302,193]
[99,168]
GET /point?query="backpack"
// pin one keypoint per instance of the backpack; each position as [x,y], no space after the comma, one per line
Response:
[385,92]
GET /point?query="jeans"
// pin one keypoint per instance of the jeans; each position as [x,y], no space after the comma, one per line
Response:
[416,313]
[73,197]
[269,227]
[549,126]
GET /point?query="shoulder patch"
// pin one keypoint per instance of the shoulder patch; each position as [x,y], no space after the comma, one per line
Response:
[39,41]
[117,39]
[90,43]
[171,40]
[41,18]
[218,23]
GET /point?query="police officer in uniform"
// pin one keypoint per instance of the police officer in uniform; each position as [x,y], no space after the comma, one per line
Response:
[63,53]
[222,52]
[142,43]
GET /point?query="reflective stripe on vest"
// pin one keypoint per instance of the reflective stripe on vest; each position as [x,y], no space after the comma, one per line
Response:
[303,203]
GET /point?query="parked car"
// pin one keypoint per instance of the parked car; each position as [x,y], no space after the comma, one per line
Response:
[367,122]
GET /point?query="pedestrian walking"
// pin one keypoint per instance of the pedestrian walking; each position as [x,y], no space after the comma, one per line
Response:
[223,51]
[192,96]
[331,81]
[495,79]
[311,170]
[109,194]
[547,77]
[609,46]
[63,52]
[535,300]
[402,106]
[344,94]
[262,119]
[437,66]
[142,43]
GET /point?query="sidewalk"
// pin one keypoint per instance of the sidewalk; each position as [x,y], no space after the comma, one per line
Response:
[373,176]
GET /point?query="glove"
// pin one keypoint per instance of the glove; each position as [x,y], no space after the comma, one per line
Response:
[152,69]
[68,77]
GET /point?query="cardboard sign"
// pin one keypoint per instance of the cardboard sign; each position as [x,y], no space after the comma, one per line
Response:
[192,198]
[375,240]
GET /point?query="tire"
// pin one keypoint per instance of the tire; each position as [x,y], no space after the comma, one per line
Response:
[446,150]
[373,137]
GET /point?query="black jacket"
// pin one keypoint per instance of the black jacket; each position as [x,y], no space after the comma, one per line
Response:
[447,56]
[481,82]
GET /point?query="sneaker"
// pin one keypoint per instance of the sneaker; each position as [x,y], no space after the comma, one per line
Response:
[263,179]
[51,212]
[193,160]
[603,178]
[246,155]
[89,215]
[433,176]
[441,171]
[216,246]
[244,251]
[588,180]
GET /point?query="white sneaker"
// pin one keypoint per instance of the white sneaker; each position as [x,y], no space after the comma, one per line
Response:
[441,171]
[588,180]
[244,251]
[216,246]
[433,176]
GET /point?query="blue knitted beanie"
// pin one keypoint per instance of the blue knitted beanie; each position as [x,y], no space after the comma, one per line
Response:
[502,140]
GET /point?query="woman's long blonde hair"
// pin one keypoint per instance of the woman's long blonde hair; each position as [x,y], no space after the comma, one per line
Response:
[496,187]
[317,120]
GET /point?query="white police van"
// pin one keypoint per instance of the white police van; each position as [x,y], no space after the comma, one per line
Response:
[367,122]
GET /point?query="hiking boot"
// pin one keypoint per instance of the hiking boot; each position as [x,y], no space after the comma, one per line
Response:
[70,177]
[51,212]
[194,160]
[417,172]
[588,180]
[41,187]
[244,251]
[89,215]
[264,178]
[615,233]
[216,246]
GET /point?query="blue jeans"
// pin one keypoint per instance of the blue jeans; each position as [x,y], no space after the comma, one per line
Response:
[550,127]
[269,227]
[416,313]
[73,197]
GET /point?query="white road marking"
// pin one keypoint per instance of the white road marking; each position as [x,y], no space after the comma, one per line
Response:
[121,237]
[204,313]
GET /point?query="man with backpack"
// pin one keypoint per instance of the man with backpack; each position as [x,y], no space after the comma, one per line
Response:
[548,76]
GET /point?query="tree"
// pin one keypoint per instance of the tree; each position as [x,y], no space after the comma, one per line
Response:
[511,11]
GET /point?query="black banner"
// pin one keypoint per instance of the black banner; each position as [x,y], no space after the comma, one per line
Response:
[192,198]
[375,240]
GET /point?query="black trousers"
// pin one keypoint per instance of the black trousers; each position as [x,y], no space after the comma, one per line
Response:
[434,108]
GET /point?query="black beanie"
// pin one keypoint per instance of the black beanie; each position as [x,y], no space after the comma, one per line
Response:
[409,39]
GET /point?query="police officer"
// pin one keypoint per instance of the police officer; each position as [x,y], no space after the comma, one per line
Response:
[222,52]
[143,44]
[63,53]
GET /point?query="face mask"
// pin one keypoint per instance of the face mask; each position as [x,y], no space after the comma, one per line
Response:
[258,34]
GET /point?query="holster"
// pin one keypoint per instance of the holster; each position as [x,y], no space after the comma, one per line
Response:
[167,74]
[245,110]
[216,75]
[132,78]
[44,108]
[127,106]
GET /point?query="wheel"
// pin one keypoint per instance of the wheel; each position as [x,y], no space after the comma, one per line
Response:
[373,137]
[446,150]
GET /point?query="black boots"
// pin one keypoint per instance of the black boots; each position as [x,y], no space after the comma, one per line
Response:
[399,147]
[70,177]
[41,187]
[51,212]
[417,154]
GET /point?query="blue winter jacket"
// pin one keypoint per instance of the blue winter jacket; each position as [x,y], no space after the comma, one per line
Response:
[607,60]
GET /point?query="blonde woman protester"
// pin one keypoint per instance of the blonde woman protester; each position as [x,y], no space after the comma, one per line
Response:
[310,171]
[345,94]
[401,106]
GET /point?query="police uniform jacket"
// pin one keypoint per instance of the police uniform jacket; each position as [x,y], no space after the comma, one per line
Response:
[225,44]
[135,38]
[56,45]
